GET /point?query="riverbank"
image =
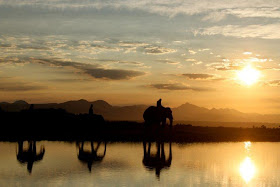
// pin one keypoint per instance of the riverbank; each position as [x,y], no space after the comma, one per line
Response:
[136,132]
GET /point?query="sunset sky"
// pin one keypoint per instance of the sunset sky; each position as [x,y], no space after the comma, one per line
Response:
[218,53]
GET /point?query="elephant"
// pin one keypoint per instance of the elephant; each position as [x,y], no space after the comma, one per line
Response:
[29,155]
[157,115]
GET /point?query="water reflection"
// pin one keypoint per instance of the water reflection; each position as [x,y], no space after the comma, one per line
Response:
[247,167]
[91,156]
[194,164]
[30,154]
[157,160]
[247,146]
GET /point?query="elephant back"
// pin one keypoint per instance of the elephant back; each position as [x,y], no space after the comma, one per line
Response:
[150,113]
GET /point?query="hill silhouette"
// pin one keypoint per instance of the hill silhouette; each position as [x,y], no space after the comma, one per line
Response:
[185,112]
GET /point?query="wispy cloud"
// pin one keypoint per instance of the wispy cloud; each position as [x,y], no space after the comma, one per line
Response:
[158,50]
[166,61]
[239,8]
[15,85]
[198,76]
[269,31]
[273,83]
[177,86]
[93,70]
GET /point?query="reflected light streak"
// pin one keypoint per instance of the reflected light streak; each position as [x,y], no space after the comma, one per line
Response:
[247,169]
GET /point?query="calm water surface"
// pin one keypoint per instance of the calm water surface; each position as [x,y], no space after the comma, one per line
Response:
[129,164]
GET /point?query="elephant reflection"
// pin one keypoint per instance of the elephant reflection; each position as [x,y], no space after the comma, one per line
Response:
[157,161]
[91,156]
[157,116]
[30,154]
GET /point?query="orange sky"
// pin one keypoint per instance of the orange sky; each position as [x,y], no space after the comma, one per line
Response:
[134,53]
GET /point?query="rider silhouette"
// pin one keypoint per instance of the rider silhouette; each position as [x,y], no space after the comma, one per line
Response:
[159,103]
[90,111]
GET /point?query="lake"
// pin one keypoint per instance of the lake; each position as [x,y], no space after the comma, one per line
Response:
[139,164]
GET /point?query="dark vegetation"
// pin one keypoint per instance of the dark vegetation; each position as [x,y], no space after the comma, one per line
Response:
[57,124]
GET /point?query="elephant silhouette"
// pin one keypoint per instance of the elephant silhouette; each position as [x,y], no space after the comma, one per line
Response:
[30,154]
[157,116]
[157,161]
[91,156]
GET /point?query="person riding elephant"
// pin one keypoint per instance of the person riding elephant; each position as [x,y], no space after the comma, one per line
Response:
[158,115]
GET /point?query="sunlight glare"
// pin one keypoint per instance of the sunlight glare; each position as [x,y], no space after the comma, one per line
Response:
[248,75]
[247,145]
[247,169]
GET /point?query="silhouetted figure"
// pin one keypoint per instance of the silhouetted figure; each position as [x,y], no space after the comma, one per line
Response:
[30,154]
[91,156]
[157,115]
[159,103]
[157,161]
[90,111]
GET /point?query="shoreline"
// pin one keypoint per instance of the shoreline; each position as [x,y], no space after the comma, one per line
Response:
[135,132]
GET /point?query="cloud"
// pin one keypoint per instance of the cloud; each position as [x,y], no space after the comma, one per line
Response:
[227,68]
[190,60]
[216,10]
[124,63]
[192,52]
[103,47]
[267,12]
[19,87]
[166,61]
[269,31]
[10,84]
[198,76]
[214,16]
[197,63]
[273,83]
[32,47]
[130,63]
[66,80]
[112,74]
[158,50]
[247,53]
[132,44]
[3,45]
[176,86]
[94,70]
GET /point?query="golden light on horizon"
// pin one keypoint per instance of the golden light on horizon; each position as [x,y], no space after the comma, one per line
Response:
[247,169]
[248,75]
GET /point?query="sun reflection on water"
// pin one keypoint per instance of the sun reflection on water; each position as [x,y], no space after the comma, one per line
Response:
[247,167]
[247,145]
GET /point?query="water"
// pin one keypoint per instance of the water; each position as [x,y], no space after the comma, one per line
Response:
[196,164]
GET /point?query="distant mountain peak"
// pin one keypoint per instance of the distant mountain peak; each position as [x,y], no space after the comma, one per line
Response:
[190,106]
[83,100]
[20,102]
[101,102]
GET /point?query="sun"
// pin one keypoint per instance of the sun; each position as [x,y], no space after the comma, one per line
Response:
[248,75]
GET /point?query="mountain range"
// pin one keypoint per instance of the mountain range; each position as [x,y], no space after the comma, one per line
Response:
[185,112]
